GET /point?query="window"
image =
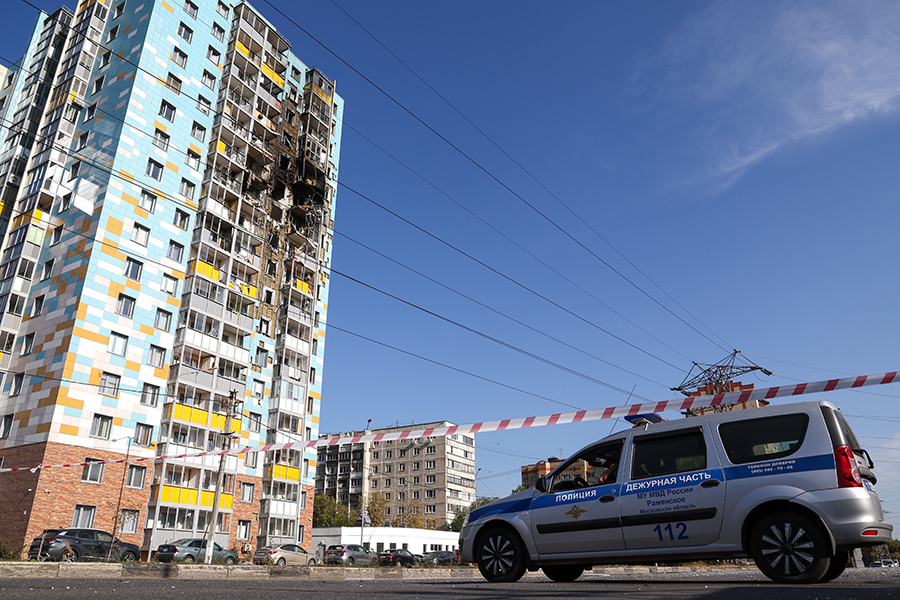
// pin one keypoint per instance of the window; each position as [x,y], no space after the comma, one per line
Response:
[143,434]
[192,160]
[431,450]
[218,31]
[82,141]
[135,476]
[104,60]
[222,9]
[767,438]
[247,490]
[250,459]
[185,32]
[174,84]
[133,268]
[128,520]
[263,326]
[203,105]
[6,426]
[429,479]
[312,376]
[176,251]
[66,202]
[102,425]
[243,530]
[74,170]
[209,80]
[167,111]
[119,10]
[187,189]
[156,357]
[18,380]
[213,55]
[125,306]
[415,495]
[429,464]
[109,386]
[83,516]
[113,34]
[117,344]
[417,451]
[98,84]
[678,452]
[150,394]
[429,494]
[163,319]
[190,8]
[415,466]
[169,285]
[179,57]
[38,307]
[47,270]
[93,471]
[161,141]
[56,236]
[28,344]
[430,508]
[89,112]
[254,420]
[182,219]
[389,454]
[259,389]
[198,131]
[139,235]
[154,169]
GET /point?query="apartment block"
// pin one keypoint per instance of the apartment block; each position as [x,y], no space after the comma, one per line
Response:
[168,173]
[433,477]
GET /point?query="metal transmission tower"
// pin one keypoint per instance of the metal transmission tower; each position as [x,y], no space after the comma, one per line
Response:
[716,379]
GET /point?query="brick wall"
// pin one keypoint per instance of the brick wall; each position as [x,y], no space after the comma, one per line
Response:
[15,498]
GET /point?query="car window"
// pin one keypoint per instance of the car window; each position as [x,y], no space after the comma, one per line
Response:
[195,544]
[85,535]
[766,438]
[104,537]
[676,452]
[216,547]
[597,465]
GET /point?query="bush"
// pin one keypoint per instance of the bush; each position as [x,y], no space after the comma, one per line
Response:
[10,552]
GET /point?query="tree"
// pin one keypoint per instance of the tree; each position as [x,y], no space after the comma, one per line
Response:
[460,518]
[376,508]
[328,513]
[520,488]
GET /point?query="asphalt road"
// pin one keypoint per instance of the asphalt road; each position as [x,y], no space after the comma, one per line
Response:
[747,584]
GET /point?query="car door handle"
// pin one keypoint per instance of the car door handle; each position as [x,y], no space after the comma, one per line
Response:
[607,498]
[710,483]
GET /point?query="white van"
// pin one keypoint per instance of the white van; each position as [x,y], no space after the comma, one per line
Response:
[788,485]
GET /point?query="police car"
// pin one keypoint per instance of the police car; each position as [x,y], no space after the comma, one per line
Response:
[789,486]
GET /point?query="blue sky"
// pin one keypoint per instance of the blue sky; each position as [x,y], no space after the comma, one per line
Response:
[720,176]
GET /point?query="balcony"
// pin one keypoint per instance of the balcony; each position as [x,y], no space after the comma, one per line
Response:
[215,207]
[285,341]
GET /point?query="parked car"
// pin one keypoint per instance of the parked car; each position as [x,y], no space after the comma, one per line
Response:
[787,485]
[74,544]
[883,563]
[443,558]
[284,554]
[190,550]
[349,554]
[397,557]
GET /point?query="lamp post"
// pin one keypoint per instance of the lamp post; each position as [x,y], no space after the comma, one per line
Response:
[121,490]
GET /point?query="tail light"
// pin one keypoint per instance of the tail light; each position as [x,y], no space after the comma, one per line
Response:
[271,552]
[847,470]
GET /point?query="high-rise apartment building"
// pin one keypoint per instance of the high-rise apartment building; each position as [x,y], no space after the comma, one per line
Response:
[168,173]
[433,477]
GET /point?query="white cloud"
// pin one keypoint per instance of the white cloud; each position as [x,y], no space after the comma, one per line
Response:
[753,78]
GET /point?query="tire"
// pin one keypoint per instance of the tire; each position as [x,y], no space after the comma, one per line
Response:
[229,560]
[129,556]
[311,561]
[189,558]
[839,562]
[500,556]
[280,562]
[69,556]
[790,548]
[563,573]
[350,561]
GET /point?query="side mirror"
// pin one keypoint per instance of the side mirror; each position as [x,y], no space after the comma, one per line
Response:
[541,484]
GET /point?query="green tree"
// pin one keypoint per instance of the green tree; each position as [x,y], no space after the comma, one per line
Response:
[328,513]
[376,508]
[460,518]
[520,488]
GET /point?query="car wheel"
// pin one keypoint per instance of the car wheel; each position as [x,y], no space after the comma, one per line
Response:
[839,562]
[563,573]
[189,558]
[229,560]
[311,561]
[69,555]
[280,562]
[350,561]
[129,556]
[500,556]
[790,548]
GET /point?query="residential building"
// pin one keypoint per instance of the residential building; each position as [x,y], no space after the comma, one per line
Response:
[433,477]
[168,173]
[533,472]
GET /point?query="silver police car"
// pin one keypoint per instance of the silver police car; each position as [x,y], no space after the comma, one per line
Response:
[789,486]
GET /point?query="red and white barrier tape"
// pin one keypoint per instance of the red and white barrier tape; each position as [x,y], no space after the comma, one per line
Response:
[799,389]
